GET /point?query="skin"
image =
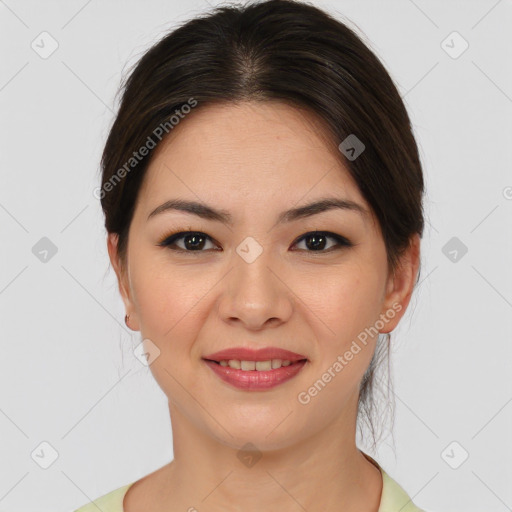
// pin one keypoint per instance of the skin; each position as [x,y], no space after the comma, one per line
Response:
[256,160]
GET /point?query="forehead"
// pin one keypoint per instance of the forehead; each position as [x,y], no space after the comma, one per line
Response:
[248,151]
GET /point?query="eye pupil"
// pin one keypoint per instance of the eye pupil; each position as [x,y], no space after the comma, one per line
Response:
[315,245]
[197,241]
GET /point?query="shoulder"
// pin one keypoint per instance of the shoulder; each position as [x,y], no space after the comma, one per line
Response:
[394,498]
[110,502]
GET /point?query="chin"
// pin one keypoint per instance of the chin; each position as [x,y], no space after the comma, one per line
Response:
[266,433]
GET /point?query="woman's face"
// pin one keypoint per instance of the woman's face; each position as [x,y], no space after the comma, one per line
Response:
[256,281]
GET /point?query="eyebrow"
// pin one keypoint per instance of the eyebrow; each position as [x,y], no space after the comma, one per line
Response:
[207,212]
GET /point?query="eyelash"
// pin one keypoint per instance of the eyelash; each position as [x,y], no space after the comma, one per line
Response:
[171,238]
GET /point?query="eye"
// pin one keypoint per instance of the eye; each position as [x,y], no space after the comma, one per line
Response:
[316,241]
[195,241]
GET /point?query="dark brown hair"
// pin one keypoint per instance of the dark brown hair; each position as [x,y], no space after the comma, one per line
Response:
[280,50]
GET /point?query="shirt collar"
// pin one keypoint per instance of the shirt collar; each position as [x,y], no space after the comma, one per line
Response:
[393,497]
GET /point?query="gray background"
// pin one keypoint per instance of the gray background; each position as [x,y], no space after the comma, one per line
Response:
[68,373]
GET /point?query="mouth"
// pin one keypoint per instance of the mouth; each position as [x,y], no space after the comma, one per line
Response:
[248,357]
[255,375]
[257,366]
[255,370]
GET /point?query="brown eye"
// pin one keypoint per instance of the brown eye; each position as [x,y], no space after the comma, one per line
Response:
[193,241]
[196,241]
[316,241]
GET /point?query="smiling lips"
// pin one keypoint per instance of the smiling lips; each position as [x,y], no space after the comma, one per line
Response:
[262,354]
[255,369]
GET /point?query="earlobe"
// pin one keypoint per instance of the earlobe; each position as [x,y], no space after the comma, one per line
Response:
[401,283]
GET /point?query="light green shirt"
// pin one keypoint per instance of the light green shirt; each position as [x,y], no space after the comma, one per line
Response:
[393,498]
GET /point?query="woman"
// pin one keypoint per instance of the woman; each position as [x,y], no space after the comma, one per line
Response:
[262,191]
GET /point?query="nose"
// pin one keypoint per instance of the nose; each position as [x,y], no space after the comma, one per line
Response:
[255,294]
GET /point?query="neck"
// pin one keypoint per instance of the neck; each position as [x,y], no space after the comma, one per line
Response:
[324,472]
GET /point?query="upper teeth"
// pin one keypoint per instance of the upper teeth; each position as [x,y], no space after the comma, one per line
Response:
[271,364]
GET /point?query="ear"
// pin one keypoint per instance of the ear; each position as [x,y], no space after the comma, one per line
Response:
[400,285]
[122,279]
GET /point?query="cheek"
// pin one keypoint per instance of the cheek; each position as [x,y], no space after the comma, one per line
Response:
[345,302]
[342,311]
[168,299]
[170,303]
